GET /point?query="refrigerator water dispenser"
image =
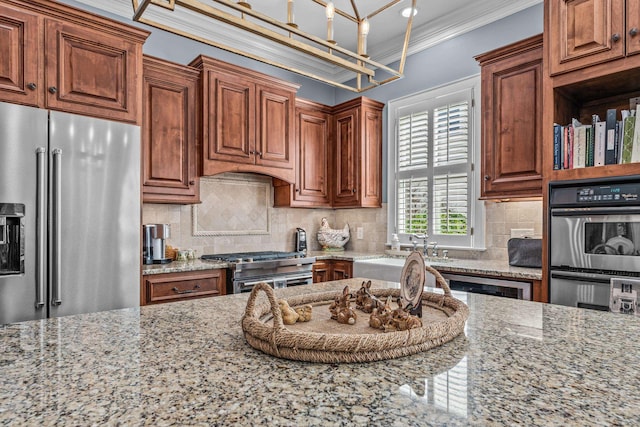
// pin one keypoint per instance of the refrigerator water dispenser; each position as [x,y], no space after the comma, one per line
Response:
[11,239]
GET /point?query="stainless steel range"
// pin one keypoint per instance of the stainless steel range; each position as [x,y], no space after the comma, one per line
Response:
[278,269]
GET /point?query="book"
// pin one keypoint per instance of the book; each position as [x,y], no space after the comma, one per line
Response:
[610,148]
[557,146]
[600,143]
[635,149]
[626,144]
[565,147]
[579,145]
[590,145]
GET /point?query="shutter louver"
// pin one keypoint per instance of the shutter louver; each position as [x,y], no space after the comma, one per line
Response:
[413,205]
[450,204]
[451,134]
[413,141]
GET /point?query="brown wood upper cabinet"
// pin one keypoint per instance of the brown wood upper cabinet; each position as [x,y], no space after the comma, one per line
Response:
[313,159]
[169,132]
[58,57]
[247,120]
[587,32]
[512,120]
[358,154]
[351,175]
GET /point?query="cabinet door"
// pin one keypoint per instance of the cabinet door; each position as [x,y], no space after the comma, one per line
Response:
[168,133]
[512,115]
[372,158]
[313,136]
[90,72]
[342,269]
[276,127]
[347,159]
[322,271]
[585,32]
[20,60]
[633,27]
[231,119]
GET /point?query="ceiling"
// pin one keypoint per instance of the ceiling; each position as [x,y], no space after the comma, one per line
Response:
[436,21]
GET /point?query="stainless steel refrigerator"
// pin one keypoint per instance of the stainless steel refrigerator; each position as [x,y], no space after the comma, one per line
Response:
[69,214]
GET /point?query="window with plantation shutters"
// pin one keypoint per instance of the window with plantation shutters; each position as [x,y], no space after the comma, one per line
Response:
[431,180]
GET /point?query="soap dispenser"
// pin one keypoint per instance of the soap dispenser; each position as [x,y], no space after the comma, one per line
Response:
[395,243]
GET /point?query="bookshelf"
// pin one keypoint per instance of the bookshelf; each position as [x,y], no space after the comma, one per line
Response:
[591,64]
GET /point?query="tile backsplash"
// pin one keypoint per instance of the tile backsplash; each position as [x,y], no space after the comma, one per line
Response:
[224,201]
[240,208]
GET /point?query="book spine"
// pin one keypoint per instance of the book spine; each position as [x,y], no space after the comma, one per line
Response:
[600,144]
[590,144]
[610,149]
[557,144]
[635,149]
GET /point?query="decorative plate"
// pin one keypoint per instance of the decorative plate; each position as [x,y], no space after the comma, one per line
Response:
[412,280]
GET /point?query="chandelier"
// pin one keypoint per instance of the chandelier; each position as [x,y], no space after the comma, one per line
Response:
[357,70]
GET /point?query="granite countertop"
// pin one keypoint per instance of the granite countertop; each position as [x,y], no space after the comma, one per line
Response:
[468,266]
[187,363]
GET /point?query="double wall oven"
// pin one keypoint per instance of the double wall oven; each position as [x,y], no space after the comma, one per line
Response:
[594,236]
[277,269]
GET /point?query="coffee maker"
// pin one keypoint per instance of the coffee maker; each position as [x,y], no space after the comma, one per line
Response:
[154,244]
[301,240]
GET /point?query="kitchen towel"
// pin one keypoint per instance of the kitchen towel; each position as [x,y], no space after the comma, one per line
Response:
[525,252]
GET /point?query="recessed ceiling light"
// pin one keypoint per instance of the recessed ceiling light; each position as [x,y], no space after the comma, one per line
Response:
[408,10]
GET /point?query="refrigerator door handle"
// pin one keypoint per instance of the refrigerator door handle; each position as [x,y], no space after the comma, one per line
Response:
[41,223]
[56,229]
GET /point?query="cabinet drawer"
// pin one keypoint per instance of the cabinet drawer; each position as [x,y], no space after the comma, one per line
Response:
[177,286]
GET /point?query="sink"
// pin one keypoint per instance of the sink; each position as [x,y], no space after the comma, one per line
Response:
[386,268]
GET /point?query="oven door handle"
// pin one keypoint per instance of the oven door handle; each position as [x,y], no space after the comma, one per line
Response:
[591,278]
[617,210]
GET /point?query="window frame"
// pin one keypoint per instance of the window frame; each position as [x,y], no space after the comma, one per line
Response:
[475,239]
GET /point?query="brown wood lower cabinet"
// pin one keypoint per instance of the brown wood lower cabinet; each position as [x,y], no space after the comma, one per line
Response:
[327,270]
[159,288]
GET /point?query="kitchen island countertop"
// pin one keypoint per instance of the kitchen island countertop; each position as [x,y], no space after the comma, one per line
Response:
[187,363]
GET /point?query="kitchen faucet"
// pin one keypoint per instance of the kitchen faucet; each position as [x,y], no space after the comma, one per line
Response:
[424,237]
[434,251]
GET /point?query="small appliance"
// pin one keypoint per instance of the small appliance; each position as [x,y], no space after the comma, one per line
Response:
[154,237]
[301,240]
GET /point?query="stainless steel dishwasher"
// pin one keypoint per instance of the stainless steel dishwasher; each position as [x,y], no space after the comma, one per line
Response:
[489,286]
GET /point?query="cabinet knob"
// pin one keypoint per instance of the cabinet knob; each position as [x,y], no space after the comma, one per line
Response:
[354,191]
[192,182]
[297,190]
[53,89]
[487,177]
[615,37]
[633,32]
[259,153]
[32,86]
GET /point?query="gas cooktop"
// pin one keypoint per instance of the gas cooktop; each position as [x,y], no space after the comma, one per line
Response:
[253,256]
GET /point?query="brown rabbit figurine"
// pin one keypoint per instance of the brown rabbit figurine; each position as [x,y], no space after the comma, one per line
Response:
[341,308]
[365,301]
[381,315]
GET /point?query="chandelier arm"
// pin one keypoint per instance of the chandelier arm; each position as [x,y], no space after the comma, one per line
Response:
[139,8]
[355,10]
[407,35]
[383,8]
[338,11]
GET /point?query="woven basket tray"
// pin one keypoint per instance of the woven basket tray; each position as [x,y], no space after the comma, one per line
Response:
[327,341]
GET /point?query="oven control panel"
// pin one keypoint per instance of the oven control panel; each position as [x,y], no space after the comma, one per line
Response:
[620,194]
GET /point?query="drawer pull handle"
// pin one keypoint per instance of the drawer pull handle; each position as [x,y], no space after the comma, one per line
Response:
[188,291]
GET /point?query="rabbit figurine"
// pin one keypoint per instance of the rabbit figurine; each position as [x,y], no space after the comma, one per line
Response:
[289,316]
[341,308]
[365,301]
